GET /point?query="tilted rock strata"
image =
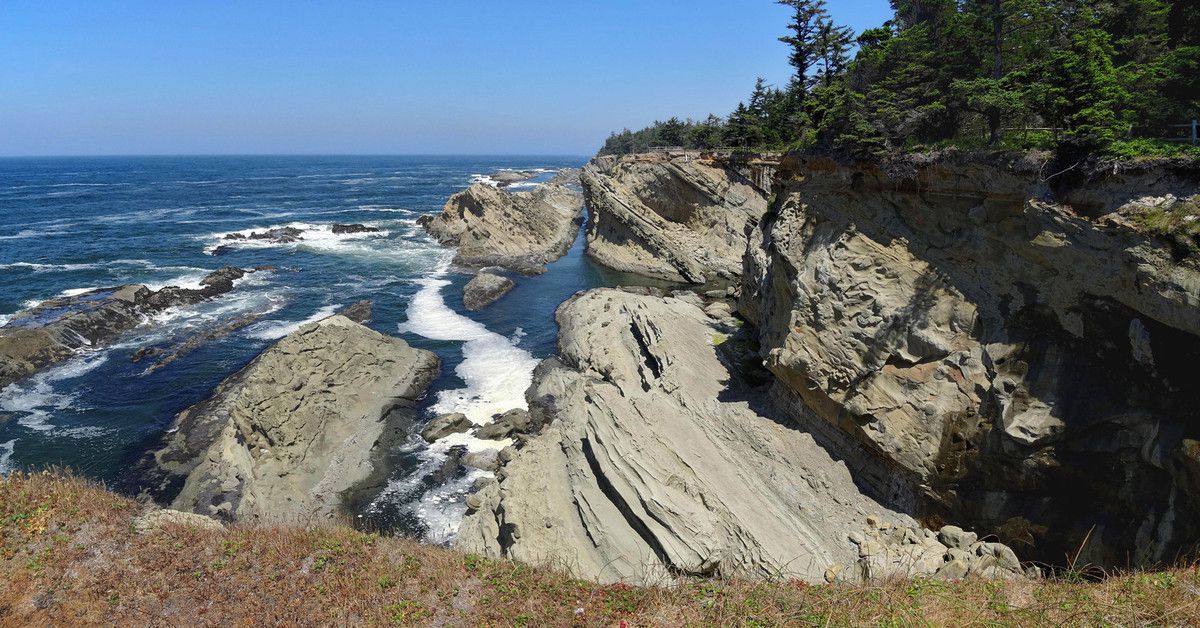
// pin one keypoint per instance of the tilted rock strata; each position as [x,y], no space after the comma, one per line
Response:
[55,330]
[521,231]
[1005,359]
[282,438]
[675,219]
[646,468]
[485,289]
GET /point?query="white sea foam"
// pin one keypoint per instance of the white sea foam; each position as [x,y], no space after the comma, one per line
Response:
[6,452]
[274,330]
[495,370]
[34,399]
[4,318]
[320,238]
[440,509]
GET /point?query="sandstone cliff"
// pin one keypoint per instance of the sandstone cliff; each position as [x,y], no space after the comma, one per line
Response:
[521,231]
[655,462]
[988,345]
[681,219]
[281,439]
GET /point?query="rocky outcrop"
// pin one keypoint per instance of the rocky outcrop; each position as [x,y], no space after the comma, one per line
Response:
[987,345]
[680,219]
[484,289]
[54,330]
[340,229]
[445,425]
[655,462]
[283,438]
[521,231]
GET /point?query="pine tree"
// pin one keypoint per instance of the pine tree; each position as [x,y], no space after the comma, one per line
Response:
[804,40]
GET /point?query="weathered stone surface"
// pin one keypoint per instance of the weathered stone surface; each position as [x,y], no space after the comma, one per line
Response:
[340,229]
[484,289]
[359,311]
[55,330]
[675,219]
[280,440]
[980,345]
[652,463]
[504,425]
[445,425]
[521,231]
[155,520]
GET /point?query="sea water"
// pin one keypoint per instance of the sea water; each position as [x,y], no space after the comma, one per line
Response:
[72,224]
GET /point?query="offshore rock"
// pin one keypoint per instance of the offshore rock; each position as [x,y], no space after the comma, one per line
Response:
[520,231]
[282,439]
[445,425]
[485,288]
[679,219]
[651,458]
[987,347]
[55,330]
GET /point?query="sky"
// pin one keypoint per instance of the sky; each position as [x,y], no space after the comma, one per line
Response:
[107,77]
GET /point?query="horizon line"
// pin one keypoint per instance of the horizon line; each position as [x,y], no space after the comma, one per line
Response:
[418,154]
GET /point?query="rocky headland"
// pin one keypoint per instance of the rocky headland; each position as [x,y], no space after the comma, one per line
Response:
[683,219]
[520,231]
[656,461]
[283,439]
[54,330]
[980,342]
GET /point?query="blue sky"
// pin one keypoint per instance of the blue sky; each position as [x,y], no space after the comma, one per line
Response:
[435,76]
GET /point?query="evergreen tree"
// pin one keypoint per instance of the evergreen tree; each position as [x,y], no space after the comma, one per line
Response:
[804,39]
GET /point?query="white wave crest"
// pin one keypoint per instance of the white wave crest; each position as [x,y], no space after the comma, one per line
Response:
[320,238]
[274,330]
[33,400]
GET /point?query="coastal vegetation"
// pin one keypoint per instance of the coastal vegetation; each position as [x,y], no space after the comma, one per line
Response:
[70,553]
[1118,77]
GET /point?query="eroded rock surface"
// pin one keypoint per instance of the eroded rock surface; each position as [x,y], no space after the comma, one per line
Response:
[55,330]
[485,288]
[679,219]
[521,231]
[982,346]
[280,440]
[652,463]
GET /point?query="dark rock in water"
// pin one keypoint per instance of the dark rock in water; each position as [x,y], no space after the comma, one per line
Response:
[485,289]
[193,342]
[354,228]
[359,312]
[54,330]
[445,425]
[221,250]
[281,235]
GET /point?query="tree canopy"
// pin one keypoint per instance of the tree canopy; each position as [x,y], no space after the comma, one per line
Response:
[1080,76]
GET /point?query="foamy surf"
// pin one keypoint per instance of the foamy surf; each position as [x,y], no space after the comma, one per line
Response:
[320,238]
[274,330]
[33,400]
[6,452]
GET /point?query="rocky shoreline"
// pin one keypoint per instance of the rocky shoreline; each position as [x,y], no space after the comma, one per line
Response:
[55,330]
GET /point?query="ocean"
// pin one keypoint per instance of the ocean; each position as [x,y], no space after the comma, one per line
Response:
[71,224]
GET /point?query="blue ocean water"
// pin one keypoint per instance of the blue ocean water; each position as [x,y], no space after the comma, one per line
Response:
[69,224]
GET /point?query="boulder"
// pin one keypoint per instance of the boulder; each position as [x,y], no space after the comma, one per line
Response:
[157,519]
[485,289]
[359,311]
[281,440]
[445,425]
[340,229]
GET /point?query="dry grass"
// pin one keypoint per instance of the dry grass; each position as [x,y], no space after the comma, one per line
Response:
[68,556]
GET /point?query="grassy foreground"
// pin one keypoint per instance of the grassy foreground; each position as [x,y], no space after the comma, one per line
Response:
[69,556]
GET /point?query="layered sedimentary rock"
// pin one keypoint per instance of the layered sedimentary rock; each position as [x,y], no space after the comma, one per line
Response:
[485,289]
[283,438]
[985,345]
[55,330]
[652,461]
[679,219]
[521,231]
